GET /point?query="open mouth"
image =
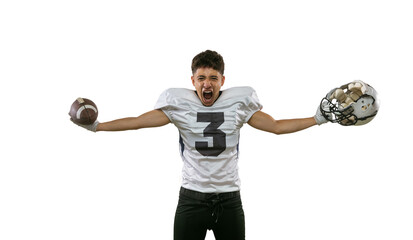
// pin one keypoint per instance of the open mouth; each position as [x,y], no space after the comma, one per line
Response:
[207,95]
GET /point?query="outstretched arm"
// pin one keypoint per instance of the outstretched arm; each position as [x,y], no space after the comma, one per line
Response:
[265,122]
[154,118]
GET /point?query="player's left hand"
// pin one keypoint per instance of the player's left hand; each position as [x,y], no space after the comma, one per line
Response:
[319,117]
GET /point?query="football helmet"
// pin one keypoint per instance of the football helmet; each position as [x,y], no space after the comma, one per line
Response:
[355,103]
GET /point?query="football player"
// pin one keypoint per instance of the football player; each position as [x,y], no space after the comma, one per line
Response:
[209,122]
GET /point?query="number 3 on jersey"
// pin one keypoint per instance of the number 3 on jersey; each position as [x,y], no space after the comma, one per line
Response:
[218,137]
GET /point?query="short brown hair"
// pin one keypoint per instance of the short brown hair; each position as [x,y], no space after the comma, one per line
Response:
[208,59]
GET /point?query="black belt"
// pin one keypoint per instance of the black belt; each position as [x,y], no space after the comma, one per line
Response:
[208,196]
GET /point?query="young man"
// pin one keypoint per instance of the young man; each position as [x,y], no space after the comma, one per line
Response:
[209,122]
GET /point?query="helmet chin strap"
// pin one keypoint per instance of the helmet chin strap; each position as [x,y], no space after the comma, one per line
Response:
[337,114]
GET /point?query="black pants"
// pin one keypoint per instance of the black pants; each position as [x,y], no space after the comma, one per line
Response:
[198,212]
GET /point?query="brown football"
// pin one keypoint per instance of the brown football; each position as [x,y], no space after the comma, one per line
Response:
[83,111]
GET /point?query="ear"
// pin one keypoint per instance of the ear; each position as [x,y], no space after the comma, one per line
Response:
[193,80]
[223,81]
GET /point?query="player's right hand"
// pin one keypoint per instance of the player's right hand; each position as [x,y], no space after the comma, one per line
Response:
[91,127]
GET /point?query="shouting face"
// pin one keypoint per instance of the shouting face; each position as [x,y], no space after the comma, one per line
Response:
[207,83]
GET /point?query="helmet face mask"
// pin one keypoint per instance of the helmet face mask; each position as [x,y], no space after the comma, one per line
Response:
[354,103]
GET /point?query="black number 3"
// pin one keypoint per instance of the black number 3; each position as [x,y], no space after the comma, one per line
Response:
[218,136]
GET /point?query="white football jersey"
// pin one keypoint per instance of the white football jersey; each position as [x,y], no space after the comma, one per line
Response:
[209,136]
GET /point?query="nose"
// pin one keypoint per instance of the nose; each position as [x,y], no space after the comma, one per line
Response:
[207,84]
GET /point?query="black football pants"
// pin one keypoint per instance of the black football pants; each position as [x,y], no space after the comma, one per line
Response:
[198,212]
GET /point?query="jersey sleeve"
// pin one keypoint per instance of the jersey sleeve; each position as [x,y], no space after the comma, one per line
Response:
[175,100]
[165,103]
[247,99]
[253,104]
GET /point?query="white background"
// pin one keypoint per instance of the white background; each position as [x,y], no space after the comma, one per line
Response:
[58,181]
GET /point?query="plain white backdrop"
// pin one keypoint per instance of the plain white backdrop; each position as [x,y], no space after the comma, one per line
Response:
[58,181]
